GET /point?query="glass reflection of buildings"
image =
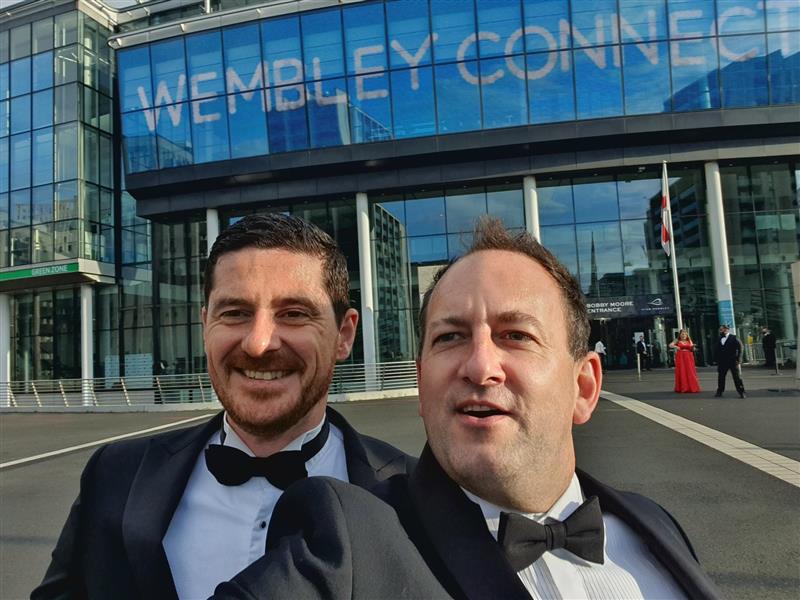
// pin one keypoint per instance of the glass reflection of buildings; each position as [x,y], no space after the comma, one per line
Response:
[408,104]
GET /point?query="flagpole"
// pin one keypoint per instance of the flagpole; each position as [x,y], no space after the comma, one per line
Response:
[665,186]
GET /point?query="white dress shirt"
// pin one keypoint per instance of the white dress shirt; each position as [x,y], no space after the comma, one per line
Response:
[218,530]
[629,570]
[724,339]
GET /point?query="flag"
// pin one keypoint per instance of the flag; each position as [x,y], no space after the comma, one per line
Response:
[666,215]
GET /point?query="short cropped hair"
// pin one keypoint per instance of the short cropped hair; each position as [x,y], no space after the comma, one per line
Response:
[490,234]
[284,232]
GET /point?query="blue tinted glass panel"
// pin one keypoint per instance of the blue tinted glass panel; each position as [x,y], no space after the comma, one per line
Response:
[463,209]
[169,72]
[507,206]
[285,71]
[42,109]
[646,77]
[595,201]
[204,54]
[555,204]
[133,68]
[412,102]
[543,23]
[42,204]
[365,38]
[505,103]
[638,196]
[42,156]
[20,208]
[5,90]
[642,20]
[322,43]
[457,97]
[784,68]
[740,16]
[598,84]
[242,49]
[21,76]
[783,15]
[4,118]
[20,114]
[431,249]
[174,136]
[499,19]
[42,71]
[691,18]
[425,216]
[593,22]
[4,164]
[458,244]
[139,142]
[370,110]
[281,39]
[600,259]
[550,90]
[247,124]
[209,130]
[743,70]
[694,74]
[560,240]
[409,33]
[21,159]
[286,121]
[453,21]
[327,113]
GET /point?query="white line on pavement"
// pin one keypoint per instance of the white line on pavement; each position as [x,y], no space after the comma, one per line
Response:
[22,461]
[772,463]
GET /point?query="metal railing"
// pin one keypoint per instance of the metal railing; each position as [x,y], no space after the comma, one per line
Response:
[147,390]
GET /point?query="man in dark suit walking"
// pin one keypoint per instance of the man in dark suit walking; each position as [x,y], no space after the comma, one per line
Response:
[175,514]
[495,507]
[768,344]
[644,355]
[728,356]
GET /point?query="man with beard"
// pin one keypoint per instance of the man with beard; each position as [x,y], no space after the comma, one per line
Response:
[177,513]
[495,508]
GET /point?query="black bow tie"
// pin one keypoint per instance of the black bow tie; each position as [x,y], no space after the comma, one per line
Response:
[524,540]
[231,466]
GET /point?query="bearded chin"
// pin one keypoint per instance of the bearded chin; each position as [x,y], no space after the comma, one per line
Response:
[248,417]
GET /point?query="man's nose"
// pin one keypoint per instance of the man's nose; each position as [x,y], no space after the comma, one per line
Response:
[484,365]
[263,335]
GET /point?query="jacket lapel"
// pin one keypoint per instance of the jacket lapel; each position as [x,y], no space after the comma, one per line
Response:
[660,533]
[155,493]
[457,532]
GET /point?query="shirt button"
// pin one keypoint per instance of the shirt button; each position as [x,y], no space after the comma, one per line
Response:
[263,524]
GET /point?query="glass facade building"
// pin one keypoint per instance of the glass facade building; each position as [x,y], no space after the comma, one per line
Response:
[128,137]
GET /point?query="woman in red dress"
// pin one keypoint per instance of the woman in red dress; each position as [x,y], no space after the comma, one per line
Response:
[685,372]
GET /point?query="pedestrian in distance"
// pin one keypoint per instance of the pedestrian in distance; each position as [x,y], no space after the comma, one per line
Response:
[644,355]
[768,344]
[600,349]
[495,508]
[728,356]
[685,370]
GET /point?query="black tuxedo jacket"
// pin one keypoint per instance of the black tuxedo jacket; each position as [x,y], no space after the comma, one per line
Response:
[331,540]
[728,354]
[111,544]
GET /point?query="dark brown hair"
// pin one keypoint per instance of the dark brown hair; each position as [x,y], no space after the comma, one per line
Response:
[490,234]
[285,232]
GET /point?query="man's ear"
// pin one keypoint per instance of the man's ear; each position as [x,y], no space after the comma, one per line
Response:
[588,383]
[347,334]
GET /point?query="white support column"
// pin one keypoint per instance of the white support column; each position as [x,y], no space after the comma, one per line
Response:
[718,240]
[531,197]
[212,228]
[5,346]
[87,343]
[365,268]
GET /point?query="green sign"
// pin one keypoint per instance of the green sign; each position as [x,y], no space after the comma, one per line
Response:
[39,271]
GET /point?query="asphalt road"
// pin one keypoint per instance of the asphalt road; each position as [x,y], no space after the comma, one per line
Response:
[744,523]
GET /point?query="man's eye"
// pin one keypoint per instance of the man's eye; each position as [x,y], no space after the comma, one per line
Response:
[295,314]
[518,336]
[232,314]
[446,337]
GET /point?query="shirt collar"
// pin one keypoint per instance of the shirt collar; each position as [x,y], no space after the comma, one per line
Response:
[232,438]
[568,503]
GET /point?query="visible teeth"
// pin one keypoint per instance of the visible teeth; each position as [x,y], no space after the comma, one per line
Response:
[476,408]
[265,375]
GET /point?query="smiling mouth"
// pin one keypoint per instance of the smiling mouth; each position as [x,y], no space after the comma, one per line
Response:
[265,375]
[481,412]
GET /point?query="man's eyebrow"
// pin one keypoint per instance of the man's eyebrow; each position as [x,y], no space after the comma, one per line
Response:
[227,301]
[516,316]
[452,321]
[305,301]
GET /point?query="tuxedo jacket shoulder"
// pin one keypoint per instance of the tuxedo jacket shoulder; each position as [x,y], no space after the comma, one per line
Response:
[111,544]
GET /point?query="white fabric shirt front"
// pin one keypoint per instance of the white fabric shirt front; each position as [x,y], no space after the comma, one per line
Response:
[630,571]
[724,339]
[218,530]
